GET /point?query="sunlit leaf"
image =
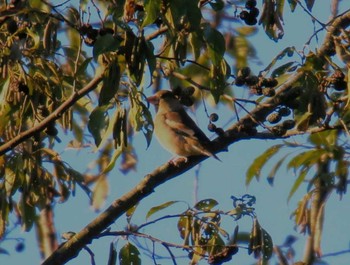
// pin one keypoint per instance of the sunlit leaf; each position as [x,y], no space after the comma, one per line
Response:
[206,205]
[114,158]
[255,168]
[158,208]
[99,193]
[129,255]
[152,9]
[129,213]
[298,182]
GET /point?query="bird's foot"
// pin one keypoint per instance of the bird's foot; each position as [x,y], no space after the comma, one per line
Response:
[177,161]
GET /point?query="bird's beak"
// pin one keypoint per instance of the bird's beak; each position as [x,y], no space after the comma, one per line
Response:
[153,100]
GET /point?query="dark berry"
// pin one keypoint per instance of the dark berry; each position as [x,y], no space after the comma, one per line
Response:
[244,15]
[213,117]
[23,88]
[188,91]
[240,81]
[250,4]
[211,127]
[19,247]
[12,26]
[105,31]
[251,21]
[244,72]
[177,91]
[274,118]
[269,92]
[51,130]
[272,82]
[338,75]
[278,130]
[293,104]
[340,85]
[219,131]
[85,28]
[284,111]
[252,80]
[254,12]
[288,124]
[187,101]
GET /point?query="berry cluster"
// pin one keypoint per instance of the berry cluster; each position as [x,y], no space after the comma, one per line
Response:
[250,15]
[258,85]
[337,81]
[91,34]
[276,117]
[212,127]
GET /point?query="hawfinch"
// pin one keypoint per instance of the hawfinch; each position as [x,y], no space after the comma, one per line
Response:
[175,130]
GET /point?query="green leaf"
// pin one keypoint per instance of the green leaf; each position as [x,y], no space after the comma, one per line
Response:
[215,44]
[278,57]
[298,181]
[114,159]
[99,193]
[105,43]
[112,258]
[129,255]
[305,159]
[195,41]
[98,122]
[151,58]
[255,168]
[309,4]
[129,213]
[325,138]
[27,213]
[152,9]
[283,69]
[160,207]
[275,168]
[111,79]
[217,5]
[292,4]
[140,117]
[267,245]
[206,205]
[83,66]
[184,226]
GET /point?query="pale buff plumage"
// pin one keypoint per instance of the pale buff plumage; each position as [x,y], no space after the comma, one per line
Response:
[175,130]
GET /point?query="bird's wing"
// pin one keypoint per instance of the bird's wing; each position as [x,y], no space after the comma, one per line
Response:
[183,124]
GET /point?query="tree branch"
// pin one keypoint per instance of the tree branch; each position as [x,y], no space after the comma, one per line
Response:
[52,117]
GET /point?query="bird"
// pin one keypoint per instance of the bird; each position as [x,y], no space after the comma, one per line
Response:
[175,129]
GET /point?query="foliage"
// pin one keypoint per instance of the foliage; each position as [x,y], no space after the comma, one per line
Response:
[85,71]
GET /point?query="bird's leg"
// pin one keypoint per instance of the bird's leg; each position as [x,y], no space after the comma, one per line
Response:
[178,160]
